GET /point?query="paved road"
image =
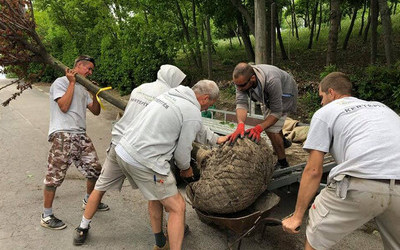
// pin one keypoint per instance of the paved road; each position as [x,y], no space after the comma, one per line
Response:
[23,148]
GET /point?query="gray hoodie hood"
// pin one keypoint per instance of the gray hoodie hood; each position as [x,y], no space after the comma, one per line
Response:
[170,75]
[185,93]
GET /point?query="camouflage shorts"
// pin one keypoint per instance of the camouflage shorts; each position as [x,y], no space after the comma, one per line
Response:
[68,148]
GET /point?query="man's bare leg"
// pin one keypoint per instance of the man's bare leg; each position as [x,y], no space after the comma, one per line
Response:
[92,203]
[90,183]
[48,196]
[175,205]
[277,144]
[155,212]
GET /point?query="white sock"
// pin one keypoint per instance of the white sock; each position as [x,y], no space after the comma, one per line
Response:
[86,197]
[84,223]
[47,212]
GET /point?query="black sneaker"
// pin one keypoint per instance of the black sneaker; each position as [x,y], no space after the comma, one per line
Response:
[286,143]
[279,166]
[101,207]
[80,235]
[52,222]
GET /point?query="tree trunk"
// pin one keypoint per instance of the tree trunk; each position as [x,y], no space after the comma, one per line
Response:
[209,44]
[333,32]
[387,31]
[238,36]
[295,20]
[314,20]
[278,32]
[186,32]
[56,64]
[273,14]
[362,19]
[260,32]
[365,36]
[307,15]
[320,20]
[196,36]
[245,37]
[203,36]
[374,30]
[245,13]
[268,29]
[292,20]
[353,19]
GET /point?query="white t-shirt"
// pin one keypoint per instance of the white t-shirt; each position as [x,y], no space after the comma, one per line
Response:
[363,137]
[74,120]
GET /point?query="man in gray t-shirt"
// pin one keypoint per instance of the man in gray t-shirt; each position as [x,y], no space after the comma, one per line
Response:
[276,91]
[67,134]
[363,139]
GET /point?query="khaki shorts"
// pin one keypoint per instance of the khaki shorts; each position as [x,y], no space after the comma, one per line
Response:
[277,127]
[112,176]
[68,148]
[153,186]
[332,217]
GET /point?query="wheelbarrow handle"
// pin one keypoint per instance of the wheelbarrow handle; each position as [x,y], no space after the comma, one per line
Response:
[271,221]
[266,221]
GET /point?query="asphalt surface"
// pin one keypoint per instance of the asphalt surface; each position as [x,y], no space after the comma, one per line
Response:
[24,148]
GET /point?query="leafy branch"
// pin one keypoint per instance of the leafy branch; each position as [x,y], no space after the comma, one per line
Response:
[20,46]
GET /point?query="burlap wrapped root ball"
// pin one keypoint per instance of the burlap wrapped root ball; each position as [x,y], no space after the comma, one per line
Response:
[232,177]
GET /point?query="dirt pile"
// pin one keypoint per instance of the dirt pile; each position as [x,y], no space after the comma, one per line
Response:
[232,177]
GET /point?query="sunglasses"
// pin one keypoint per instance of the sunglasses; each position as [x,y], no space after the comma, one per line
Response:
[89,59]
[243,84]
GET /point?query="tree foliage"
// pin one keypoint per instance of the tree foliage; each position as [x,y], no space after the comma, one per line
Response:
[131,39]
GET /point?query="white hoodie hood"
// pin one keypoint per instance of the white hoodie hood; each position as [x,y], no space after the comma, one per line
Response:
[169,76]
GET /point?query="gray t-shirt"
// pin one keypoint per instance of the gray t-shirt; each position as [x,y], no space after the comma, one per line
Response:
[276,89]
[363,137]
[74,120]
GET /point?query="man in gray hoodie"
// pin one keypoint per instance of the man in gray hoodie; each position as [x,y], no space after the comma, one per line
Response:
[112,177]
[276,90]
[167,128]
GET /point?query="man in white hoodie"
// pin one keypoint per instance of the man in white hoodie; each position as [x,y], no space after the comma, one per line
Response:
[167,128]
[112,177]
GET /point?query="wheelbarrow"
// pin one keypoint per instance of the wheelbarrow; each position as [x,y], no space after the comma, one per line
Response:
[245,222]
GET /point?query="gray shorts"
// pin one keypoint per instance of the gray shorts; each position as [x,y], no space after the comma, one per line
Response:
[277,127]
[338,210]
[112,176]
[153,186]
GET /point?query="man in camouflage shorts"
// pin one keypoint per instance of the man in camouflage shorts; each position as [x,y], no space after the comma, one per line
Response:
[68,148]
[67,133]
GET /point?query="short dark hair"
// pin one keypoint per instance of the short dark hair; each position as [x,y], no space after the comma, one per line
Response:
[84,58]
[243,69]
[337,81]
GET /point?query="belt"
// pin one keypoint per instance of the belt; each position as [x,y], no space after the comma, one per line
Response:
[387,181]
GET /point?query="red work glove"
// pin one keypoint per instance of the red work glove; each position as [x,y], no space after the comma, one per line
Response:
[239,132]
[254,134]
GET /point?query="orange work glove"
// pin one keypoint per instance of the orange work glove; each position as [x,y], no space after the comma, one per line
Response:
[239,132]
[254,134]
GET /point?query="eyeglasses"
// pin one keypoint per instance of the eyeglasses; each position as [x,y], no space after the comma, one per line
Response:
[89,59]
[243,84]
